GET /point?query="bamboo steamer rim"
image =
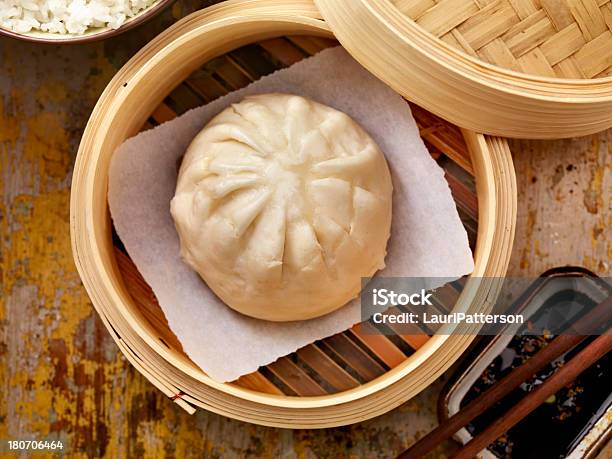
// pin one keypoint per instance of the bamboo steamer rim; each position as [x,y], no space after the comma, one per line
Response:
[123,107]
[533,105]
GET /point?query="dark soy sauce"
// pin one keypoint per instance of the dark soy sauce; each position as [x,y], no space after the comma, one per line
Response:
[556,427]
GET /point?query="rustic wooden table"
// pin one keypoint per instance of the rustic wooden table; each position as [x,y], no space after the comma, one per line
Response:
[62,376]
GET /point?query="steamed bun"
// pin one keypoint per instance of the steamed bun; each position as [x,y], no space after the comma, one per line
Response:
[282,205]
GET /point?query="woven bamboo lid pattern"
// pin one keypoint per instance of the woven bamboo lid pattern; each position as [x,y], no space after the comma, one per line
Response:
[555,38]
[516,68]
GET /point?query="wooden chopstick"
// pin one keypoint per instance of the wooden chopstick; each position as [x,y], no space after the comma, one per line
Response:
[567,373]
[559,346]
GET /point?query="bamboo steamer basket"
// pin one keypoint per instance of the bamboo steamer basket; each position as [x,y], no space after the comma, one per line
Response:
[514,68]
[352,376]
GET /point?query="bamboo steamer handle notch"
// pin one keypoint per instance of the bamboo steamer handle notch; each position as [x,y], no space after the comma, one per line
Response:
[460,88]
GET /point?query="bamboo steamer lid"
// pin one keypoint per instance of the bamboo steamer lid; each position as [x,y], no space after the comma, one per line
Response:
[516,68]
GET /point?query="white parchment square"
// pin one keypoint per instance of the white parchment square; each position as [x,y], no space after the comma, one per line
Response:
[427,237]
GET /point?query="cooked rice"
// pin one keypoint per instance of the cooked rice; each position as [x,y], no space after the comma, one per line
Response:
[67,16]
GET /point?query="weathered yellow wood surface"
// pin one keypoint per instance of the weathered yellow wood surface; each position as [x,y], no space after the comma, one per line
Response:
[565,204]
[61,375]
